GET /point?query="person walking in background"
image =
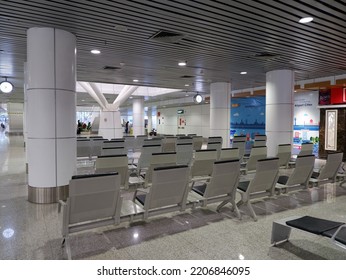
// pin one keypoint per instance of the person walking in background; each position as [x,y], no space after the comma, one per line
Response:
[127,127]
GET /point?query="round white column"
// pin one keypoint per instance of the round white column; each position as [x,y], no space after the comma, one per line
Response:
[138,116]
[51,113]
[25,126]
[279,109]
[110,125]
[150,120]
[220,94]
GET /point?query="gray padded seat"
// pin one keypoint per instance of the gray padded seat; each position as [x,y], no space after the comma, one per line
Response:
[96,146]
[284,154]
[153,141]
[262,185]
[113,143]
[114,163]
[260,137]
[159,160]
[83,148]
[197,142]
[145,157]
[259,143]
[139,141]
[184,140]
[215,139]
[215,145]
[184,153]
[202,165]
[168,191]
[229,153]
[300,175]
[113,151]
[329,171]
[257,153]
[129,143]
[94,200]
[168,144]
[241,146]
[222,185]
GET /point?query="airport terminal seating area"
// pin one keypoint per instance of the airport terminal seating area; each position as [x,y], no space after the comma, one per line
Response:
[133,179]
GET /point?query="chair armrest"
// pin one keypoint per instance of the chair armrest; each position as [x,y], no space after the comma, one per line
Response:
[342,245]
[142,190]
[61,205]
[200,178]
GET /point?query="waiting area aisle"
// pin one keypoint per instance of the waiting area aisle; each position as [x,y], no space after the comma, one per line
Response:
[33,231]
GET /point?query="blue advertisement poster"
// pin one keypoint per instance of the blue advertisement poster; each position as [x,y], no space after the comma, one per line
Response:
[248,116]
[306,121]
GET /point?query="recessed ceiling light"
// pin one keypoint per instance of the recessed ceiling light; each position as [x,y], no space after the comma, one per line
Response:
[182,63]
[306,19]
[186,95]
[243,73]
[83,100]
[95,51]
[135,80]
[187,85]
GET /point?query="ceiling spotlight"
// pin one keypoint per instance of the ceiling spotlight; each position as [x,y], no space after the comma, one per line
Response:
[135,80]
[182,63]
[187,85]
[186,95]
[243,73]
[198,98]
[6,86]
[306,19]
[95,51]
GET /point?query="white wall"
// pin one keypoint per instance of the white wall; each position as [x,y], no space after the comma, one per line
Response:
[15,117]
[197,120]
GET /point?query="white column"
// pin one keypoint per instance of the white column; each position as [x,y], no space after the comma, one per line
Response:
[51,113]
[110,125]
[138,116]
[220,94]
[150,120]
[25,125]
[279,109]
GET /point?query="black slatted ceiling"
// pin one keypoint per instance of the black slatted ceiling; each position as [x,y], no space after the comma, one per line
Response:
[223,37]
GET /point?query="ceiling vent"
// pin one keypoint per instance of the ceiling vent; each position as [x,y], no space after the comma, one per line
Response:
[167,37]
[264,56]
[107,67]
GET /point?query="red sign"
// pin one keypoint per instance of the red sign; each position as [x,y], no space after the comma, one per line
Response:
[338,96]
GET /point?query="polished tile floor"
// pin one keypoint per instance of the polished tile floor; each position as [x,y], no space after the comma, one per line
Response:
[30,231]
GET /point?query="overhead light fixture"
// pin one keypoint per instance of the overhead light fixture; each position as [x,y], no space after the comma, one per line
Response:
[182,63]
[243,73]
[197,98]
[95,51]
[6,86]
[306,19]
[187,85]
[135,80]
[186,95]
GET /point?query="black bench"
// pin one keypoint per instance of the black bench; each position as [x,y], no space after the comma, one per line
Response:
[336,231]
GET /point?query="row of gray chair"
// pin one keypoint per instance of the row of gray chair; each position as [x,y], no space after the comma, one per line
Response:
[91,147]
[95,200]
